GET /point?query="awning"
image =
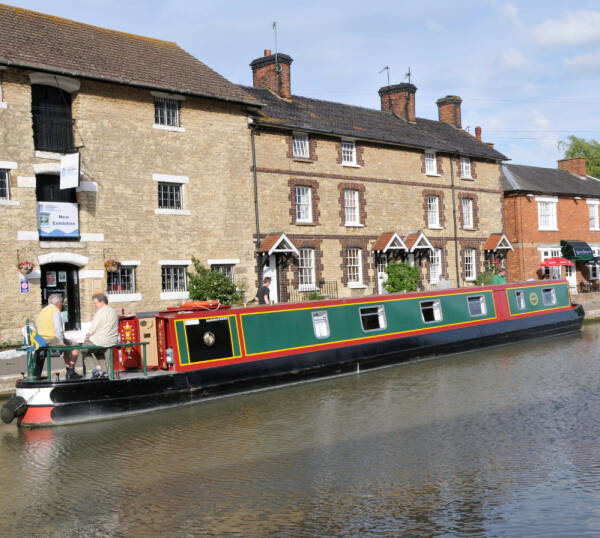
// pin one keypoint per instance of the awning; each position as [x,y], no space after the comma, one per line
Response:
[278,244]
[497,242]
[389,241]
[577,251]
[556,262]
[417,241]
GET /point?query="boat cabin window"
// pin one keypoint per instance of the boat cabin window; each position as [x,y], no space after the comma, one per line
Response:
[548,296]
[372,318]
[520,297]
[431,311]
[320,324]
[477,306]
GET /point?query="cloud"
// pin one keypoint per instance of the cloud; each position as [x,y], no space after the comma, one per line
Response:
[433,26]
[513,59]
[583,62]
[511,12]
[575,28]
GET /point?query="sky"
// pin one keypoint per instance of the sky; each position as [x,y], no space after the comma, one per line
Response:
[527,71]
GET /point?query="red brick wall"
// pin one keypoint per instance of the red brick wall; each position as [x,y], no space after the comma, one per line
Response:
[279,83]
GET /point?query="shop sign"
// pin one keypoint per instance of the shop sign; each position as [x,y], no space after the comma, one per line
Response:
[58,219]
[69,171]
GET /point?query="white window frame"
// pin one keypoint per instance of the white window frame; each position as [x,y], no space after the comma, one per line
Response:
[179,180]
[467,211]
[436,307]
[164,99]
[548,296]
[482,305]
[303,196]
[177,189]
[354,266]
[433,212]
[547,211]
[300,146]
[435,266]
[377,311]
[320,324]
[593,213]
[470,264]
[306,270]
[171,287]
[131,290]
[594,267]
[465,168]
[349,153]
[227,269]
[351,207]
[431,163]
[520,299]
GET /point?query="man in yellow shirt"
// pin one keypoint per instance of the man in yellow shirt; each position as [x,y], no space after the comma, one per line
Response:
[49,325]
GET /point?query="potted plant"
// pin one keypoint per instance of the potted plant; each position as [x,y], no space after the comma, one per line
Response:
[112,266]
[25,267]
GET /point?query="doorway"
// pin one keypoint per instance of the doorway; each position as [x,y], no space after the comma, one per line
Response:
[270,269]
[382,263]
[571,277]
[63,278]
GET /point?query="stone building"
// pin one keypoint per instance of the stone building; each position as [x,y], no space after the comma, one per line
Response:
[164,154]
[344,190]
[553,213]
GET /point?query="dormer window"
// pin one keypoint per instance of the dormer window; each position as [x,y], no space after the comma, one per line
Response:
[300,146]
[430,163]
[348,153]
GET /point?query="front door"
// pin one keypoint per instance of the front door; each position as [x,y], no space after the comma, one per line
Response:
[63,278]
[270,270]
[382,263]
[571,277]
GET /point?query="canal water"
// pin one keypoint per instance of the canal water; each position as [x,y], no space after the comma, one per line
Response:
[499,442]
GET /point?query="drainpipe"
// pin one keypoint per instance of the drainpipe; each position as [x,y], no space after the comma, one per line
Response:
[452,158]
[256,216]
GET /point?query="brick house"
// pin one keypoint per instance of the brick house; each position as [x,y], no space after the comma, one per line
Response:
[343,190]
[552,212]
[154,129]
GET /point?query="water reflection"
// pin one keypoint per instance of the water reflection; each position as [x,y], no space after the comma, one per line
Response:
[497,442]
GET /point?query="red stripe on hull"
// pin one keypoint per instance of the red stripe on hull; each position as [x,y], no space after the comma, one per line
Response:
[37,416]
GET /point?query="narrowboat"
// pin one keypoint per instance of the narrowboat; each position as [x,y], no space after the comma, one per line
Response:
[195,352]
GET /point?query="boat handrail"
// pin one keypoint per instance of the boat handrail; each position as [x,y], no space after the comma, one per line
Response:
[31,356]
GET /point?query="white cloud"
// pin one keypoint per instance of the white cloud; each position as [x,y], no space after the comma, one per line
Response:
[575,28]
[511,12]
[583,62]
[433,26]
[513,59]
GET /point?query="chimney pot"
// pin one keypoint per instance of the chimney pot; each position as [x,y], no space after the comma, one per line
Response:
[575,165]
[267,52]
[478,132]
[275,76]
[399,99]
[449,110]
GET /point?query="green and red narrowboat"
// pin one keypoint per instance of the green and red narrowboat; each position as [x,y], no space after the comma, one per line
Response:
[197,352]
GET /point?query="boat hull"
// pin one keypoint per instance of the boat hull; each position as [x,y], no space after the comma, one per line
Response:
[75,401]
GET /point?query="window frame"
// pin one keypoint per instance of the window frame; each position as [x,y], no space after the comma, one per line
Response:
[482,304]
[179,191]
[300,141]
[307,271]
[436,311]
[379,313]
[465,168]
[520,299]
[171,267]
[552,301]
[5,178]
[111,276]
[593,214]
[321,315]
[307,205]
[430,163]
[471,253]
[355,206]
[358,283]
[430,212]
[468,224]
[227,269]
[547,202]
[554,273]
[167,109]
[350,150]
[435,279]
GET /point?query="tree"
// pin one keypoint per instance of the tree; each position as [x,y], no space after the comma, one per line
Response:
[578,147]
[205,284]
[401,277]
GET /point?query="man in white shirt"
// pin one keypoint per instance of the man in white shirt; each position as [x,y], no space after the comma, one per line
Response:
[103,331]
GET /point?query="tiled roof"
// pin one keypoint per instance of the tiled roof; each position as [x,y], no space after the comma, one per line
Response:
[38,41]
[339,119]
[533,179]
[383,241]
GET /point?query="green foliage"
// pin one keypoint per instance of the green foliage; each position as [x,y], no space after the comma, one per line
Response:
[579,147]
[11,343]
[486,278]
[205,284]
[315,296]
[401,277]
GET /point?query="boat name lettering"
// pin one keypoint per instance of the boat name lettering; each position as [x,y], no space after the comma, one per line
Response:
[215,319]
[192,322]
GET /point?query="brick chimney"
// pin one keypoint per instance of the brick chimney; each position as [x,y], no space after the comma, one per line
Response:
[576,165]
[272,71]
[478,133]
[449,110]
[399,99]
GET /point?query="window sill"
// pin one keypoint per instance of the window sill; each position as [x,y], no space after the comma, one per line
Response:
[357,285]
[303,159]
[169,128]
[468,228]
[3,105]
[124,297]
[548,230]
[354,225]
[12,203]
[171,295]
[467,178]
[303,223]
[470,279]
[172,212]
[594,229]
[433,175]
[435,227]
[39,154]
[308,288]
[351,165]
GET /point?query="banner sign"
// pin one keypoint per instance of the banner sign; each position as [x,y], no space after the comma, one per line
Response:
[58,219]
[69,171]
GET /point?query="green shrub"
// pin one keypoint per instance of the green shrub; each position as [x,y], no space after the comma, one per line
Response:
[315,296]
[401,277]
[205,284]
[486,278]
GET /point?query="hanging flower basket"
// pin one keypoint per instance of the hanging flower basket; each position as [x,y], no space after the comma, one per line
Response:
[112,266]
[25,267]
